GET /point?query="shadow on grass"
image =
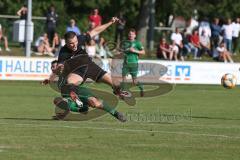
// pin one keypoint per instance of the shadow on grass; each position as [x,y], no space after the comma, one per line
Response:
[32,119]
[216,118]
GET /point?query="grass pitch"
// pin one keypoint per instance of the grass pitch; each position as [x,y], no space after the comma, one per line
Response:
[206,125]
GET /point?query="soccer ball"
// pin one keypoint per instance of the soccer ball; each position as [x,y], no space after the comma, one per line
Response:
[229,80]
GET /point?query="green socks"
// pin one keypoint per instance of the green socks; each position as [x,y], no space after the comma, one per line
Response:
[108,109]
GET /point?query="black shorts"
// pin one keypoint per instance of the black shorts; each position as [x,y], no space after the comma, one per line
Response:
[91,70]
[83,66]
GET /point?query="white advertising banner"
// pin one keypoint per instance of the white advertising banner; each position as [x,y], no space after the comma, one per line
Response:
[21,68]
[197,72]
[184,72]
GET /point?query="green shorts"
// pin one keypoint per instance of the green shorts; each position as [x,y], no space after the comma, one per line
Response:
[71,103]
[84,94]
[131,69]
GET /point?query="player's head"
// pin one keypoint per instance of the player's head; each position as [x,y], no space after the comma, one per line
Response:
[54,66]
[132,34]
[71,40]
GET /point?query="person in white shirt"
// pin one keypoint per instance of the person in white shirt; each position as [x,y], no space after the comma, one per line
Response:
[192,24]
[205,43]
[91,49]
[103,50]
[223,53]
[42,46]
[228,34]
[204,25]
[235,36]
[177,38]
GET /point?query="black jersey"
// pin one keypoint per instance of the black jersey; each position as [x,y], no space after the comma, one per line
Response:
[79,62]
[66,54]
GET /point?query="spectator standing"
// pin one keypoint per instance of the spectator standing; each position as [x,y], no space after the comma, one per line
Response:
[120,28]
[22,12]
[56,44]
[4,38]
[216,33]
[205,43]
[204,25]
[91,27]
[51,22]
[228,34]
[235,38]
[95,18]
[103,50]
[72,27]
[192,24]
[91,49]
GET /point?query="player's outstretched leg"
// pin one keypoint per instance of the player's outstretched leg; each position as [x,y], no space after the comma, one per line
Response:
[117,90]
[121,92]
[140,86]
[94,102]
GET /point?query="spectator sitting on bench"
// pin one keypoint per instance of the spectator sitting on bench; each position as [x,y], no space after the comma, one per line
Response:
[42,46]
[4,38]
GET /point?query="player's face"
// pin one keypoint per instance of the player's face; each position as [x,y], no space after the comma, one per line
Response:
[72,43]
[54,67]
[131,36]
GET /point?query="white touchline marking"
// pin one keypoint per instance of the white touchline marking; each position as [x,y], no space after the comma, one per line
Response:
[125,130]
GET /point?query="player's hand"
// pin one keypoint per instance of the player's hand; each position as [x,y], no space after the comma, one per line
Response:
[132,50]
[60,68]
[45,82]
[114,20]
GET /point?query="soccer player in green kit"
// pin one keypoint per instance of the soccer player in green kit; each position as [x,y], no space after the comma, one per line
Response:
[132,49]
[86,99]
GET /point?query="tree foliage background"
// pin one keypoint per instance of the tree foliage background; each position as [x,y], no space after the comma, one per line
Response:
[80,9]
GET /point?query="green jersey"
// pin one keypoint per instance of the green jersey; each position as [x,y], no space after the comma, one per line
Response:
[131,57]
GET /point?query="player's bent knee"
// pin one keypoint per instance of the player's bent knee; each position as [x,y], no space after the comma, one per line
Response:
[74,79]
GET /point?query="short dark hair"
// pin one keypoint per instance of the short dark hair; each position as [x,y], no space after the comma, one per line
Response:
[69,35]
[132,30]
[54,61]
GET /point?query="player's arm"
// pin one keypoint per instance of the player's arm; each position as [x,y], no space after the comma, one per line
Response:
[140,49]
[60,62]
[140,52]
[50,79]
[103,27]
